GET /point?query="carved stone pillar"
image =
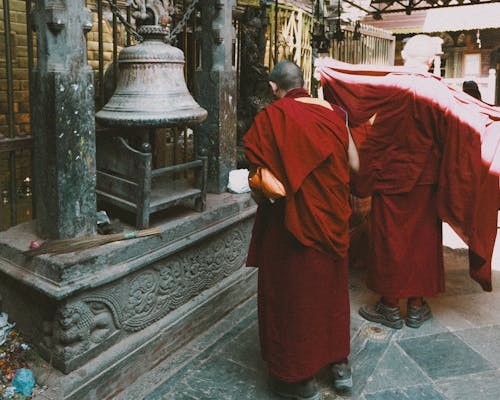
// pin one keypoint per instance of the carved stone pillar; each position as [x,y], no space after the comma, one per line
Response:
[62,121]
[216,92]
[254,92]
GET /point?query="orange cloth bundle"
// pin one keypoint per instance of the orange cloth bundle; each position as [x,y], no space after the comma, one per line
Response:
[264,181]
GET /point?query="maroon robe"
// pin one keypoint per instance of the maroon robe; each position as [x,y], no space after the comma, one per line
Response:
[300,242]
[429,152]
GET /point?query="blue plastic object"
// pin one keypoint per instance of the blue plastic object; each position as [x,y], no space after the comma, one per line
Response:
[24,381]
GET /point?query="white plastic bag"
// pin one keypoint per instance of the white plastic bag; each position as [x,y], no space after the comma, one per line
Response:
[238,181]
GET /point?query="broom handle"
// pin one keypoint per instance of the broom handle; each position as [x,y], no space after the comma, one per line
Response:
[144,232]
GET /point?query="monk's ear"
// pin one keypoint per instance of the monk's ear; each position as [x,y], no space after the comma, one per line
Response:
[274,86]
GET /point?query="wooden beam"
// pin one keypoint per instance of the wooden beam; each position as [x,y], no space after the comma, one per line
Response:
[16,143]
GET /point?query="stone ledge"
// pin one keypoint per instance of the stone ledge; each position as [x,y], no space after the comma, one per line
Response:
[60,276]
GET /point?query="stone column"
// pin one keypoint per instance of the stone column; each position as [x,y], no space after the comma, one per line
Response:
[62,121]
[216,92]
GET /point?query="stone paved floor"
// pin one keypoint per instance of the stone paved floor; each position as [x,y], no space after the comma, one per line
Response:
[455,356]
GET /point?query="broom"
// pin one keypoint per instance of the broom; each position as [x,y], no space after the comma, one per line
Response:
[77,244]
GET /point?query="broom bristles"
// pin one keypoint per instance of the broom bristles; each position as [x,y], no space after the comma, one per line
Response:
[60,246]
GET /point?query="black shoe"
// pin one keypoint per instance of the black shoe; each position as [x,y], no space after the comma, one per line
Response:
[380,313]
[416,316]
[303,390]
[342,378]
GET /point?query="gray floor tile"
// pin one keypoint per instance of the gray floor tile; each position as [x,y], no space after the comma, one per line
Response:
[395,370]
[486,341]
[214,343]
[447,311]
[444,355]
[364,363]
[483,386]
[480,309]
[218,379]
[356,324]
[420,392]
[448,358]
[232,322]
[244,349]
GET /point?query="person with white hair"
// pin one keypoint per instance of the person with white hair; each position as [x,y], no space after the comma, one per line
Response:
[397,273]
[421,163]
[420,51]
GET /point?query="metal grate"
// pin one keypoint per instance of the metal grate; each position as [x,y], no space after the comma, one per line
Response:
[17,59]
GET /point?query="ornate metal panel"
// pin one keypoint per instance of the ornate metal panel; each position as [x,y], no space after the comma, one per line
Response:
[294,27]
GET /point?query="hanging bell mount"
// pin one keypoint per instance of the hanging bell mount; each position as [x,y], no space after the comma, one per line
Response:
[151,90]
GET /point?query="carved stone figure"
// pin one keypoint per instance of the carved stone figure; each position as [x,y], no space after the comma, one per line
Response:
[77,327]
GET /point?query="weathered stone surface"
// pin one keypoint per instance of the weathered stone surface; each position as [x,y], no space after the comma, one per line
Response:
[64,165]
[99,311]
[231,331]
[478,386]
[420,392]
[216,92]
[394,370]
[85,324]
[62,122]
[362,359]
[444,355]
[485,341]
[254,91]
[60,276]
[108,374]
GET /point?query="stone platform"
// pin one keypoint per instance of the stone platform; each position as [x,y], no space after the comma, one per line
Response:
[105,316]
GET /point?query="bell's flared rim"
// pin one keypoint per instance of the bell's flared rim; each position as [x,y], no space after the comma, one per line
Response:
[115,117]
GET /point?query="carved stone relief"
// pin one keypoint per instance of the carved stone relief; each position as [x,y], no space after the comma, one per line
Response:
[78,327]
[133,303]
[168,285]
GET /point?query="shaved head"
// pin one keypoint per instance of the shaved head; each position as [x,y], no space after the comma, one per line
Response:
[287,75]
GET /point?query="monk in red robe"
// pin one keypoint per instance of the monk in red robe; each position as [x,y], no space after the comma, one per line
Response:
[423,158]
[300,241]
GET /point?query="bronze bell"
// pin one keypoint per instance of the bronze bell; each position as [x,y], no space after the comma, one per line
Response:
[151,90]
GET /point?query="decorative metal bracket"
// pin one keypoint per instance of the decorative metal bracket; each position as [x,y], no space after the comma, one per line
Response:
[159,9]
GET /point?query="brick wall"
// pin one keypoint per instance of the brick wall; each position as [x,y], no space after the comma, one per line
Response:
[19,39]
[20,83]
[19,54]
[20,86]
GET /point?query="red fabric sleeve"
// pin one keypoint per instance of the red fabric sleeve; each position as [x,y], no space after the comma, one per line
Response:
[464,132]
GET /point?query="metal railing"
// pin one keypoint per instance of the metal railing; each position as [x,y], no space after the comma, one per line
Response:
[15,142]
[17,59]
[289,37]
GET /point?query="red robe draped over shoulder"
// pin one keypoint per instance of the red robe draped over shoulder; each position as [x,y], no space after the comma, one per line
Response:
[293,139]
[421,122]
[300,242]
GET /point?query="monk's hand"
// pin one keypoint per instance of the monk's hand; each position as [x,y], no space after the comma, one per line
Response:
[258,196]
